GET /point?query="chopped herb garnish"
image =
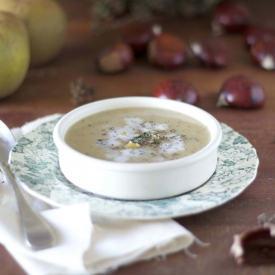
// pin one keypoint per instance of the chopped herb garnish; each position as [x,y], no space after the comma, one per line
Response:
[101,142]
[146,138]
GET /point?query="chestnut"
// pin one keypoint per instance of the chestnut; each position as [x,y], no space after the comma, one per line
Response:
[255,245]
[138,38]
[167,51]
[230,17]
[263,54]
[115,59]
[241,91]
[212,52]
[256,33]
[177,90]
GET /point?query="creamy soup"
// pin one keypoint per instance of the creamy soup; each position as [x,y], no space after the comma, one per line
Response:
[138,135]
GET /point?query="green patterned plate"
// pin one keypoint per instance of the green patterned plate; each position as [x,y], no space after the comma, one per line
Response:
[34,161]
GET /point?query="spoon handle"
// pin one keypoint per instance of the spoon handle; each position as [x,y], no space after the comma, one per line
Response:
[38,234]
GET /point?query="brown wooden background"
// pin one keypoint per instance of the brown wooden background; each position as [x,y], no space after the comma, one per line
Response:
[46,91]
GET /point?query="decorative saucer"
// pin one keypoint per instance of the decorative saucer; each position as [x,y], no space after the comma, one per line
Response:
[34,161]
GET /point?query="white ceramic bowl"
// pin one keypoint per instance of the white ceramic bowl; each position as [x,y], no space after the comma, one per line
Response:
[137,181]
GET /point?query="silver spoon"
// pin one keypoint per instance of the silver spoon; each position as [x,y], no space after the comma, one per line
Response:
[38,234]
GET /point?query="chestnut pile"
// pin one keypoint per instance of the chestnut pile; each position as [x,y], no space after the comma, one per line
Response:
[258,39]
[164,50]
[168,51]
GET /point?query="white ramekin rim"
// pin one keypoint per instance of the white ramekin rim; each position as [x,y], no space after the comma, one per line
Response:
[85,110]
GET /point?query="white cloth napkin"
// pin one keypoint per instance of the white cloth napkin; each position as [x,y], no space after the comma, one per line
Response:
[86,246]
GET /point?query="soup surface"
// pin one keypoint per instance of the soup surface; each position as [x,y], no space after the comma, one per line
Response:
[138,135]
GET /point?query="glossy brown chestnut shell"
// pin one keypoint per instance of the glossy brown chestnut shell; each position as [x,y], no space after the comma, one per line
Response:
[263,54]
[177,90]
[256,33]
[115,59]
[241,92]
[229,17]
[212,52]
[138,38]
[255,246]
[167,51]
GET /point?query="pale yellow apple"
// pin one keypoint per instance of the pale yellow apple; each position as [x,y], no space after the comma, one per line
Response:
[14,53]
[46,23]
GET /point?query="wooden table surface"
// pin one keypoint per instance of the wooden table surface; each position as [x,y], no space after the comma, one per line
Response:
[46,91]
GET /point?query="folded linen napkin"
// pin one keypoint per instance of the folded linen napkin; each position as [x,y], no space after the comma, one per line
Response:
[86,245]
